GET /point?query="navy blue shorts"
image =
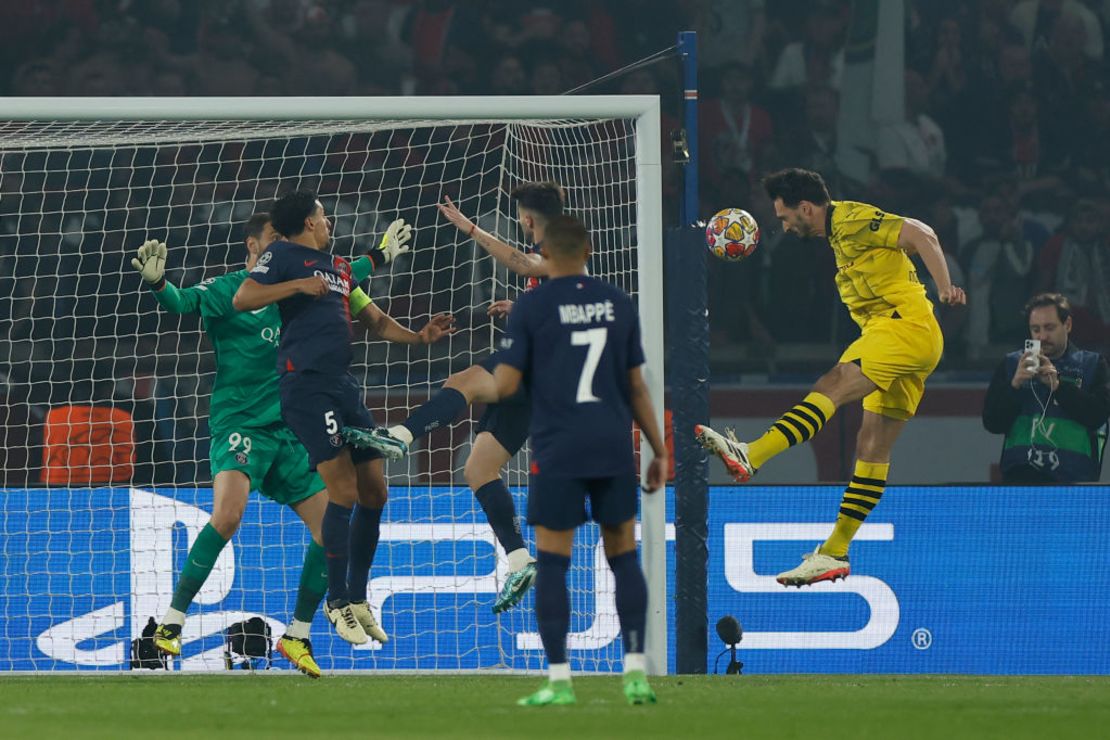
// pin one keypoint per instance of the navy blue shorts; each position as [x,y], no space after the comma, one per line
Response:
[560,503]
[508,419]
[316,407]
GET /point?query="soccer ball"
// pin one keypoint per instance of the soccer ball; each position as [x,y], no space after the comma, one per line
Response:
[732,235]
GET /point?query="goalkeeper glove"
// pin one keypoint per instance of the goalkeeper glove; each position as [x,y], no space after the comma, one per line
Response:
[151,263]
[394,243]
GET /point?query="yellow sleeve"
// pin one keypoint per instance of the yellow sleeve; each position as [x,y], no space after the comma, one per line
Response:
[870,226]
[358,301]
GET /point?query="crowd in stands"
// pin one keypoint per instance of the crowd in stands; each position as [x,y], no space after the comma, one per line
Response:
[1004,150]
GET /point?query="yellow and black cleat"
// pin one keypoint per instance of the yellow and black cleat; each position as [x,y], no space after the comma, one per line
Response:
[299,653]
[167,638]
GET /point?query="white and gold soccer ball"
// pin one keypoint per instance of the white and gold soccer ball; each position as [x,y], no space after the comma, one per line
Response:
[732,235]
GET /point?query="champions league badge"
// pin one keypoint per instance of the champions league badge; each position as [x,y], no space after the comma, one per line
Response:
[336,440]
[241,458]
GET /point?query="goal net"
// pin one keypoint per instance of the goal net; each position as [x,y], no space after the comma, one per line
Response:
[106,439]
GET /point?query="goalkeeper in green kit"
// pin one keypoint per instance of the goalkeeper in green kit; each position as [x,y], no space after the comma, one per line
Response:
[251,446]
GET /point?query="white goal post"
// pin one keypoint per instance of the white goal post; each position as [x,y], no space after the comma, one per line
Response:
[62,127]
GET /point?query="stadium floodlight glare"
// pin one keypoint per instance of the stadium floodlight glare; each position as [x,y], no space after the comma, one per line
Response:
[730,632]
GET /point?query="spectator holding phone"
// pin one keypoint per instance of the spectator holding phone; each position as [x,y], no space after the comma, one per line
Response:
[1051,400]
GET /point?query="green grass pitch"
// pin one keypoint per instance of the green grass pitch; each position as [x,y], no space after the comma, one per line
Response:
[482,706]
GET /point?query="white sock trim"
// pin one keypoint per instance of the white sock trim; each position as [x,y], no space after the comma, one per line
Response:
[519,558]
[634,662]
[402,433]
[559,671]
[173,616]
[298,629]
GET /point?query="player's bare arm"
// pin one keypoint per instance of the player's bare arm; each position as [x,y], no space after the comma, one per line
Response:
[643,412]
[253,295]
[386,327]
[526,265]
[917,237]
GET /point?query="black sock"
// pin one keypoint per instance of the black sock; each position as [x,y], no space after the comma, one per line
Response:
[497,502]
[631,600]
[438,411]
[365,528]
[552,605]
[335,531]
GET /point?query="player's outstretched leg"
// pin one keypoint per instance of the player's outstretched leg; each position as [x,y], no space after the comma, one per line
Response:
[797,425]
[553,620]
[473,385]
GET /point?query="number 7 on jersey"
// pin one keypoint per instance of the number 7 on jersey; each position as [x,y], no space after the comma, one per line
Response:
[594,339]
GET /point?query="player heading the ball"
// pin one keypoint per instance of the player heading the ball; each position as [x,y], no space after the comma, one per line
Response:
[900,345]
[576,339]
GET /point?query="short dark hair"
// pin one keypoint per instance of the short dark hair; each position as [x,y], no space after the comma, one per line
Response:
[566,236]
[1059,300]
[794,185]
[290,210]
[255,225]
[544,198]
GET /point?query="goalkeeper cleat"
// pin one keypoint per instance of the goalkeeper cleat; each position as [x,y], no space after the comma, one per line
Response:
[733,452]
[636,688]
[516,586]
[369,624]
[815,567]
[346,624]
[559,693]
[378,439]
[299,652]
[167,638]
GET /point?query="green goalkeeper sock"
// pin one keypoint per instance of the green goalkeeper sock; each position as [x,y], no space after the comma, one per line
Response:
[198,564]
[314,583]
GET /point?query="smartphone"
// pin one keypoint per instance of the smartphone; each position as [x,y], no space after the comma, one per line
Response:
[1033,347]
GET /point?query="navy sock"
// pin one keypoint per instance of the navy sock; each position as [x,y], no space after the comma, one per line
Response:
[365,528]
[552,604]
[497,502]
[438,411]
[335,531]
[631,600]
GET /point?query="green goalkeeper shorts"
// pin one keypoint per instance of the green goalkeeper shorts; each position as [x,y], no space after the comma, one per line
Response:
[273,459]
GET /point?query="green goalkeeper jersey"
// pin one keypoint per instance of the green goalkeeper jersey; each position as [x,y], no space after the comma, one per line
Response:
[245,342]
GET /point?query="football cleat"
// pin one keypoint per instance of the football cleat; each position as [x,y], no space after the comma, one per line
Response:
[167,638]
[636,688]
[552,692]
[378,439]
[733,452]
[299,652]
[516,586]
[346,624]
[815,568]
[369,624]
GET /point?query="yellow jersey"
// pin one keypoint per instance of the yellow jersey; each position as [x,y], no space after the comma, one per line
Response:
[874,277]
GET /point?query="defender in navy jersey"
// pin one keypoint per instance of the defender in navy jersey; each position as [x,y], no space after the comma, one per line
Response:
[319,395]
[503,428]
[575,343]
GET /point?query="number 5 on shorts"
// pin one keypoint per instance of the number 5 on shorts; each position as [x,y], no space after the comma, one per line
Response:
[331,425]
